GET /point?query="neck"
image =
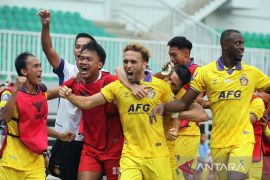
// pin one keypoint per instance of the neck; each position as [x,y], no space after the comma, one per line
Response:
[91,79]
[30,88]
[228,62]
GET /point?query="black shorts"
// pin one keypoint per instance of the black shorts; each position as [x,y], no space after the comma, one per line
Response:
[65,158]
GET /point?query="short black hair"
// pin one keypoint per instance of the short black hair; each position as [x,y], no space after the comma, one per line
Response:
[93,46]
[20,62]
[183,73]
[180,42]
[85,35]
[226,34]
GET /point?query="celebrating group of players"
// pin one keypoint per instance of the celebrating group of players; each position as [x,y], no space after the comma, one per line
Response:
[136,125]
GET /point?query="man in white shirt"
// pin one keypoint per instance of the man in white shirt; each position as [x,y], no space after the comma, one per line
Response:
[65,155]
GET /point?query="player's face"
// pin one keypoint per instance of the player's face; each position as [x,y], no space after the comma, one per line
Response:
[175,82]
[178,56]
[33,70]
[263,95]
[235,46]
[134,66]
[89,65]
[79,44]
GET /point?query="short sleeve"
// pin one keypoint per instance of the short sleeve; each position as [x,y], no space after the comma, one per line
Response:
[109,91]
[257,107]
[198,83]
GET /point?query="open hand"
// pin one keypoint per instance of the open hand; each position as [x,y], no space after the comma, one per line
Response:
[158,109]
[45,17]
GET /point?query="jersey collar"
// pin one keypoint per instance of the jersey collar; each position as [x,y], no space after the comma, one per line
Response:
[148,76]
[221,67]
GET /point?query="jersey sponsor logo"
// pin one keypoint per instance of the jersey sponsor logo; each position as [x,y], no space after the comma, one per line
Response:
[139,108]
[243,80]
[228,80]
[231,94]
[37,105]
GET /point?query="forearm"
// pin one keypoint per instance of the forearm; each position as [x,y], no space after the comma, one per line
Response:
[52,93]
[80,101]
[176,123]
[176,106]
[46,38]
[193,115]
[53,133]
[120,73]
[8,109]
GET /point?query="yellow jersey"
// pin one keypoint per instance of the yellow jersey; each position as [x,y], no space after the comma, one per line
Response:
[229,93]
[141,138]
[257,107]
[16,155]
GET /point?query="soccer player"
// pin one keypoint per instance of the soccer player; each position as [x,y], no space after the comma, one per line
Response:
[188,140]
[68,116]
[145,153]
[103,136]
[25,112]
[265,135]
[229,84]
[257,108]
[178,80]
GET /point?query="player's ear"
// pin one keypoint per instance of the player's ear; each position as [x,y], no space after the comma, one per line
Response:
[100,65]
[24,72]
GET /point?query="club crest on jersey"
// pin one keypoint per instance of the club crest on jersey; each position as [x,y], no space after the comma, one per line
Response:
[243,80]
[151,93]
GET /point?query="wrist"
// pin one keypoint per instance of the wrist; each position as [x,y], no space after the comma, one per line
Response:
[46,153]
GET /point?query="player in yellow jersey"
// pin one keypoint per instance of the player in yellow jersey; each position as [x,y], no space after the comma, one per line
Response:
[185,146]
[229,84]
[257,109]
[145,153]
[24,109]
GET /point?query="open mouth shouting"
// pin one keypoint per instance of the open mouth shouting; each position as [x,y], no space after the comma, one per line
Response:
[83,69]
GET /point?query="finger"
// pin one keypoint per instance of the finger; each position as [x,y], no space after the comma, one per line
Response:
[161,111]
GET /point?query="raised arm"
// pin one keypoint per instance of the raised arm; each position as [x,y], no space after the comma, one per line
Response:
[52,56]
[83,102]
[8,109]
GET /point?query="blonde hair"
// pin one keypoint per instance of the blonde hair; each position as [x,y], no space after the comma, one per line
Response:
[138,48]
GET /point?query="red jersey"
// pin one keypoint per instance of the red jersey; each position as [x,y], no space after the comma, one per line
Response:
[32,122]
[265,143]
[101,125]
